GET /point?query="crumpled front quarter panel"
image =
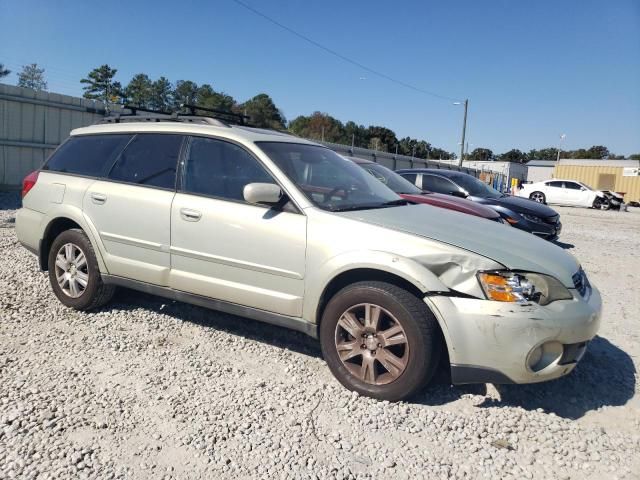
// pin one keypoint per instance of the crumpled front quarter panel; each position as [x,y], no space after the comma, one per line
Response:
[336,244]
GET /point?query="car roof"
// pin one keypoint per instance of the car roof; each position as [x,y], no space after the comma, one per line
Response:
[561,180]
[233,132]
[445,172]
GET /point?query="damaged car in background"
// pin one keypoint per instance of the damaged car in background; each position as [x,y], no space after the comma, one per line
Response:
[571,193]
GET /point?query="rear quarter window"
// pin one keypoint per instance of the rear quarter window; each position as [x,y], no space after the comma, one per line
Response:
[87,155]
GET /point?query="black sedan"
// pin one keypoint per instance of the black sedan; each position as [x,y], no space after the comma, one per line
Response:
[521,213]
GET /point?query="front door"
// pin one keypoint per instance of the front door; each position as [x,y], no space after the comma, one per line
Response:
[575,194]
[224,248]
[131,208]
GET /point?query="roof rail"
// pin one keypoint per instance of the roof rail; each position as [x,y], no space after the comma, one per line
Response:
[220,114]
[161,116]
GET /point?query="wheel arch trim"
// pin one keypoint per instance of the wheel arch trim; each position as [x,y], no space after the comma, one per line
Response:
[74,214]
[407,270]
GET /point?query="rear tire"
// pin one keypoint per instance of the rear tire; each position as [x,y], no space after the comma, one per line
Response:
[538,197]
[380,340]
[74,273]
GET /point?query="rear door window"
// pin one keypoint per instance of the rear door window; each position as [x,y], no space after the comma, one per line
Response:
[150,159]
[555,184]
[87,155]
[410,177]
[438,184]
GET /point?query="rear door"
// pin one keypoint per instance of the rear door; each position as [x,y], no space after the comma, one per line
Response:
[438,184]
[225,248]
[130,208]
[555,193]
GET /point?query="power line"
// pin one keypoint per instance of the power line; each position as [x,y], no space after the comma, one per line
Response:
[343,57]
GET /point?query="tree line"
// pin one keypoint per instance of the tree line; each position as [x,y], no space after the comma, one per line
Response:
[162,94]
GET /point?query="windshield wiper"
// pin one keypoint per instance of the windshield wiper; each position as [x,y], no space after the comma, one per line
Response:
[350,208]
[393,203]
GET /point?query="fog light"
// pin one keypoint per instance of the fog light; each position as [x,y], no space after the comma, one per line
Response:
[544,355]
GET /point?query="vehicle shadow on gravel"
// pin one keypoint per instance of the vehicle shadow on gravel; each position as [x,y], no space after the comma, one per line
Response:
[606,376]
[244,327]
[564,245]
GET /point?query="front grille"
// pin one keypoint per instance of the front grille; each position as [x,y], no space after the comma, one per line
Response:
[552,220]
[580,281]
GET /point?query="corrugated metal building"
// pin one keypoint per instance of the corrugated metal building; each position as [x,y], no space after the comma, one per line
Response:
[540,170]
[615,175]
[32,124]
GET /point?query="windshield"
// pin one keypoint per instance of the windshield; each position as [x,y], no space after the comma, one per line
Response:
[391,179]
[475,187]
[330,181]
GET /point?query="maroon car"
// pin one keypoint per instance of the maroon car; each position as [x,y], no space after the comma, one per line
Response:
[410,192]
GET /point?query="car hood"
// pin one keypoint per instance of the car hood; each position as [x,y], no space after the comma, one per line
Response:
[452,203]
[515,249]
[521,205]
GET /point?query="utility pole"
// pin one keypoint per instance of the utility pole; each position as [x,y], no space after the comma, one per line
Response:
[562,137]
[464,131]
[353,140]
[323,133]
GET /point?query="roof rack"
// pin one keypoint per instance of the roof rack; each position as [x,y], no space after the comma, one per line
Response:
[218,119]
[219,114]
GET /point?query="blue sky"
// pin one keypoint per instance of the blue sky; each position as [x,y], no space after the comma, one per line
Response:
[531,70]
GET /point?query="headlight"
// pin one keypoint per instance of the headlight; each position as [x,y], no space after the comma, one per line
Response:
[522,287]
[531,218]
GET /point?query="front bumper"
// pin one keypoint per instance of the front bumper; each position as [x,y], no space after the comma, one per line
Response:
[548,231]
[494,342]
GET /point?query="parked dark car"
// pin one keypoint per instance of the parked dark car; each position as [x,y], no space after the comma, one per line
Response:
[410,192]
[521,213]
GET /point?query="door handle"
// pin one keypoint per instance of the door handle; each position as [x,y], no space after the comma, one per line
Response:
[98,198]
[190,215]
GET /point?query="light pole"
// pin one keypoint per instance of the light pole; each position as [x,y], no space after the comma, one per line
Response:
[562,137]
[464,128]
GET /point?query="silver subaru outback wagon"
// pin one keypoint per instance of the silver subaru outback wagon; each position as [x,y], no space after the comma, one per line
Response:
[275,228]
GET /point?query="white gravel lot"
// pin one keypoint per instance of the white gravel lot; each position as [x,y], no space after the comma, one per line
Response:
[148,388]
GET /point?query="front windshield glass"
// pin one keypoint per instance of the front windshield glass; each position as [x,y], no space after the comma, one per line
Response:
[330,181]
[475,187]
[391,179]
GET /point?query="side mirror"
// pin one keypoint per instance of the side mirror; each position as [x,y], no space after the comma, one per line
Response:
[583,189]
[458,193]
[262,193]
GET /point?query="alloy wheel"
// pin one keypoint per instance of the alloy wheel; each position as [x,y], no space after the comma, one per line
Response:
[537,197]
[372,344]
[72,270]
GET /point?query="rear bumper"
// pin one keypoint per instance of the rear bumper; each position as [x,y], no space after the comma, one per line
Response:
[29,229]
[496,342]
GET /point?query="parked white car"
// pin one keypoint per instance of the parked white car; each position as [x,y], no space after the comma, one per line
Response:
[567,192]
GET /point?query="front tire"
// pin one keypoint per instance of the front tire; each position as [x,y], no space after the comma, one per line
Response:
[601,203]
[538,197]
[380,340]
[74,273]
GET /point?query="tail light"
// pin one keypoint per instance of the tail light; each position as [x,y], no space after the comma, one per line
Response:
[28,182]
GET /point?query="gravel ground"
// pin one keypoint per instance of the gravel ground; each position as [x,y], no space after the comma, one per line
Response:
[148,388]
